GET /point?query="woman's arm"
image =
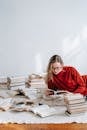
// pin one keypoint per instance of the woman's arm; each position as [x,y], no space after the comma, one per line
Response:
[79,81]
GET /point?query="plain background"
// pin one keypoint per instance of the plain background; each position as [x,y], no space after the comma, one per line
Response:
[31,31]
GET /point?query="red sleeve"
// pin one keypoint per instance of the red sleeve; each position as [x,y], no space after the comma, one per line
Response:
[50,84]
[79,80]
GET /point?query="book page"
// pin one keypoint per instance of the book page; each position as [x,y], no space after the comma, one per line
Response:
[43,110]
[37,108]
[47,112]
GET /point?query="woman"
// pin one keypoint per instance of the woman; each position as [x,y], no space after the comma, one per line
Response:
[60,77]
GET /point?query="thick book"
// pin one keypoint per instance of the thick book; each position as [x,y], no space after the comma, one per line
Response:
[73,96]
[76,106]
[5,104]
[78,110]
[43,110]
[17,79]
[74,114]
[75,101]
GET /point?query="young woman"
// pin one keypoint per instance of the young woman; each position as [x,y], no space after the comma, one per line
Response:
[60,77]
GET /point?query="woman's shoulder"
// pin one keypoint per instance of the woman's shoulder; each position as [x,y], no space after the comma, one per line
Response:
[69,68]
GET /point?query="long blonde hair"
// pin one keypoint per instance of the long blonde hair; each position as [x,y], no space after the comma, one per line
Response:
[53,59]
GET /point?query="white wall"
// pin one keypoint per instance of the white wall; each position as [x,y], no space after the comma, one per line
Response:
[33,30]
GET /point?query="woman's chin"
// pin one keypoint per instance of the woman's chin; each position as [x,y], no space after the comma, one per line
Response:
[55,73]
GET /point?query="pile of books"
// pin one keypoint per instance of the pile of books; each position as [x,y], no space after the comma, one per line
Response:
[31,93]
[10,82]
[57,99]
[75,103]
[36,81]
[5,104]
[5,82]
[15,81]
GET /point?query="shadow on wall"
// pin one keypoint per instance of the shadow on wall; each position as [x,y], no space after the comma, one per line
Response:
[38,63]
[73,47]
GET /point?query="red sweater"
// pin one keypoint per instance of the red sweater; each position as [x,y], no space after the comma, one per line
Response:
[69,79]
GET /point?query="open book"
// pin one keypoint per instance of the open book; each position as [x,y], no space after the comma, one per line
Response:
[43,110]
[5,104]
[58,92]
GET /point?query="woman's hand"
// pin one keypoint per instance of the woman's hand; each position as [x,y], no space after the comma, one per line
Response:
[49,92]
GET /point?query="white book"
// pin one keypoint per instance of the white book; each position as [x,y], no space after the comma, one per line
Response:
[43,110]
[3,79]
[36,83]
[78,110]
[76,106]
[38,108]
[19,87]
[71,96]
[74,114]
[37,80]
[17,79]
[5,104]
[16,84]
[71,102]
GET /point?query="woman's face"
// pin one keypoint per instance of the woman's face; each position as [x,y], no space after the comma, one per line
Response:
[56,67]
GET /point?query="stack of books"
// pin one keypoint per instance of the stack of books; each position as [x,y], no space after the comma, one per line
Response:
[75,103]
[57,99]
[5,104]
[36,81]
[5,82]
[31,93]
[17,81]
